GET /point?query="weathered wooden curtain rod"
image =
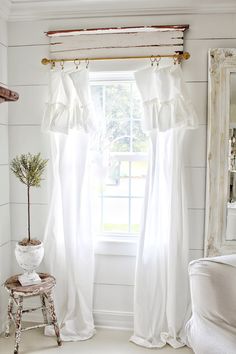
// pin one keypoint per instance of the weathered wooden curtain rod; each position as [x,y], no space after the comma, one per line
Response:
[177,56]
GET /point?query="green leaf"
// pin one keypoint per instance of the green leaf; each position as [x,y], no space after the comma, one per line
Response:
[29,168]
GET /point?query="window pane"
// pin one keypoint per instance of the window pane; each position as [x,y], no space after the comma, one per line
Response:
[121,196]
[96,92]
[140,139]
[136,210]
[121,145]
[115,214]
[136,101]
[118,135]
[118,101]
[138,173]
[117,182]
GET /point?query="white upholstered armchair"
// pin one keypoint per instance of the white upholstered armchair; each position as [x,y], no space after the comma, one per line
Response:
[212,327]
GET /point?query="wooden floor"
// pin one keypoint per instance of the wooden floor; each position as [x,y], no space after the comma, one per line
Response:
[105,341]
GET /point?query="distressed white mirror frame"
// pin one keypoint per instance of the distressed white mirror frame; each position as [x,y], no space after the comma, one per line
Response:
[222,62]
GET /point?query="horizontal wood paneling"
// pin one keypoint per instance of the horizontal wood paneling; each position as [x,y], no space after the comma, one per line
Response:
[19,215]
[196,228]
[5,272]
[201,26]
[3,32]
[195,254]
[23,111]
[113,298]
[198,94]
[3,144]
[4,185]
[26,138]
[195,185]
[4,113]
[195,69]
[3,64]
[195,147]
[5,235]
[25,66]
[123,269]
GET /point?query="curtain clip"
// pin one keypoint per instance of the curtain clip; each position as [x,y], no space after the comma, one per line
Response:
[77,63]
[177,59]
[87,63]
[53,64]
[62,62]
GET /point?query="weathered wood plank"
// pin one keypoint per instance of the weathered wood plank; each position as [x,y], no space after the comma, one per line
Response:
[117,42]
[118,52]
[7,95]
[48,282]
[113,30]
[123,40]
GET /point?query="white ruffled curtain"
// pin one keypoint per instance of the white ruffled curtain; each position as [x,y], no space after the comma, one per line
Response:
[162,300]
[68,238]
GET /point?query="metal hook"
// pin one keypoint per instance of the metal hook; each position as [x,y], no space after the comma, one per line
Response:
[62,64]
[76,63]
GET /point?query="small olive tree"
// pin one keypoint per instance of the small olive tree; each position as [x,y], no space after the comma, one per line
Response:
[29,169]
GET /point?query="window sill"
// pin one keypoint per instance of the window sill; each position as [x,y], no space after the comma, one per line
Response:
[117,246]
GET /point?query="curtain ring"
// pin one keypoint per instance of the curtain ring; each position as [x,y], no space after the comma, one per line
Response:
[87,63]
[62,62]
[158,59]
[76,63]
[152,60]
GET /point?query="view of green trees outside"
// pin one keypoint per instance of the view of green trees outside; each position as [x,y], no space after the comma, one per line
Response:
[126,145]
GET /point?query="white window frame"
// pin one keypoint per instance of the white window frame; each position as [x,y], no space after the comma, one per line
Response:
[118,243]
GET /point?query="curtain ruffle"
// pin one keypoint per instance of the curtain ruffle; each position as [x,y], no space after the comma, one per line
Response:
[69,106]
[166,103]
[175,113]
[61,118]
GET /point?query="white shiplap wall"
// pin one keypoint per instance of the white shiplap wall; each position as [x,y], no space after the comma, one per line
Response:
[115,263]
[5,236]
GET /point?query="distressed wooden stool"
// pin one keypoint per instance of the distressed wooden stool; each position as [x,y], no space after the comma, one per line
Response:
[16,295]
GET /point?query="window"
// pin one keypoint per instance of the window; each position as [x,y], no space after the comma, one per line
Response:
[124,147]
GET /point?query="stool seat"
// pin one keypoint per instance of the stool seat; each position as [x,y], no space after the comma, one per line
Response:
[13,285]
[17,293]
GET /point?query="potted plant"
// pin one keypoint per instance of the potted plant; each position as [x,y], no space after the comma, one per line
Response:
[29,252]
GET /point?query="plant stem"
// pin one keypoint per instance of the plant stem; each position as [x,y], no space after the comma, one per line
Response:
[28,199]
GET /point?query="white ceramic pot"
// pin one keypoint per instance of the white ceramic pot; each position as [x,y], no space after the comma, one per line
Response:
[29,258]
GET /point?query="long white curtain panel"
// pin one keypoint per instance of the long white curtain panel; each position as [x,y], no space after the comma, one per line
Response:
[68,237]
[162,300]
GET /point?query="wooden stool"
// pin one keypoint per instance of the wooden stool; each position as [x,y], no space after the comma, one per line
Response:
[17,292]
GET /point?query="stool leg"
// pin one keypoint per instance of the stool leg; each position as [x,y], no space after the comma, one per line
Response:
[18,324]
[53,316]
[44,309]
[9,312]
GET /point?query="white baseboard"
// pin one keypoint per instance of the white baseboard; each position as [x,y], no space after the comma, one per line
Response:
[113,319]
